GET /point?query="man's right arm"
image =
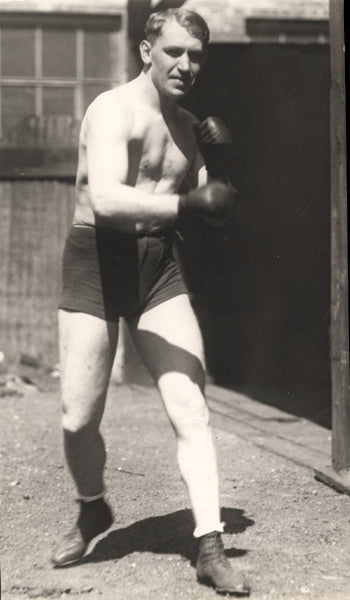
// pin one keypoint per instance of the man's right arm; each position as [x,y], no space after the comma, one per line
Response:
[115,203]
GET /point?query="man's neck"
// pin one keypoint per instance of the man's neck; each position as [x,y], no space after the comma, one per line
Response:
[153,98]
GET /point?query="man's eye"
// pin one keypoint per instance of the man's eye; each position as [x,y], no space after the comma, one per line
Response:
[174,52]
[195,57]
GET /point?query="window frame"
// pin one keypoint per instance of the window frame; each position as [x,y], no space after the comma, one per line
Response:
[79,23]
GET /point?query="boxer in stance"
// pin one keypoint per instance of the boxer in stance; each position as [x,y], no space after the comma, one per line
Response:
[137,150]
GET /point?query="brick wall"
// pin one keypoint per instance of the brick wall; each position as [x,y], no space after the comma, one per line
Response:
[226,18]
[81,6]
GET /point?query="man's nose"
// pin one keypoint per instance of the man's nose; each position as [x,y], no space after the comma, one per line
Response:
[184,63]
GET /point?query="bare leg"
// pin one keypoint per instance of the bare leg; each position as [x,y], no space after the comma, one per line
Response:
[170,343]
[87,349]
[169,340]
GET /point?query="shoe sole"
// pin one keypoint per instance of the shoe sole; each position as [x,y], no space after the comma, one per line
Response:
[66,563]
[223,592]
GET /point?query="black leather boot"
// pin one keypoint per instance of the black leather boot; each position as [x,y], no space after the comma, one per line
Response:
[94,518]
[214,569]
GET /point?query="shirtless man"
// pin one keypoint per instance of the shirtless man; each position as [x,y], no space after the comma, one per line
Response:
[137,147]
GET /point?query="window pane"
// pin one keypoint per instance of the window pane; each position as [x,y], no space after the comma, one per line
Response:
[91,91]
[17,51]
[59,53]
[58,101]
[98,54]
[17,104]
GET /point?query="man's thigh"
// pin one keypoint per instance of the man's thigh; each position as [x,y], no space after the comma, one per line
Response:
[87,350]
[169,340]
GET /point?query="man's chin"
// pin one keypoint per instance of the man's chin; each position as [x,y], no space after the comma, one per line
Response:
[179,93]
[179,90]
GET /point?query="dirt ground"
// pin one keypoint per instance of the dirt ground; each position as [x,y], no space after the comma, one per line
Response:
[287,531]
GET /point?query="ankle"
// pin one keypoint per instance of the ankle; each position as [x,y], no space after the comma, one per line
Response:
[87,499]
[211,547]
[94,518]
[214,527]
[91,505]
[208,540]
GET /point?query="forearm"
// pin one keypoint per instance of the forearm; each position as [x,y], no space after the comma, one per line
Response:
[133,210]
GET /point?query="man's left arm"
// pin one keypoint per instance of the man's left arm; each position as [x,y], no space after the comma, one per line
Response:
[213,160]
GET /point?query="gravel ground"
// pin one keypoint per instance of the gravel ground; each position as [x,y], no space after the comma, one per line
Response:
[287,531]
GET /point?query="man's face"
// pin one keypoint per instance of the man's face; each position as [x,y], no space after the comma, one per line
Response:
[176,59]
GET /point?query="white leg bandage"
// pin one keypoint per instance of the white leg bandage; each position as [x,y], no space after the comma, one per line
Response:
[199,531]
[91,498]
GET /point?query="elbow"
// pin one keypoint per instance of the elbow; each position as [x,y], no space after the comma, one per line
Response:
[99,210]
[109,209]
[100,204]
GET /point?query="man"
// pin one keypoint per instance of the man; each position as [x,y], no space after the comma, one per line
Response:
[137,147]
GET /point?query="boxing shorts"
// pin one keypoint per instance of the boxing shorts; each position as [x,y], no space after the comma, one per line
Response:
[110,274]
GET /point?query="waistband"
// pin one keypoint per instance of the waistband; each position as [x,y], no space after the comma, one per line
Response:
[166,234]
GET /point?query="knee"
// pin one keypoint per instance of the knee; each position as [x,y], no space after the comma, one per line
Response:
[191,415]
[77,423]
[81,409]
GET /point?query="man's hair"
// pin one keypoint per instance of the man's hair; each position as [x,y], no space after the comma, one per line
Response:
[189,20]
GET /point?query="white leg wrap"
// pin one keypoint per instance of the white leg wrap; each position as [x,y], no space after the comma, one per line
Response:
[199,531]
[91,498]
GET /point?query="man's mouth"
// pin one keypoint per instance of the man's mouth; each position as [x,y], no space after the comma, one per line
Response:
[181,80]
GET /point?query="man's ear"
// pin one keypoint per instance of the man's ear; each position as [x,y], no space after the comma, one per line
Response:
[145,51]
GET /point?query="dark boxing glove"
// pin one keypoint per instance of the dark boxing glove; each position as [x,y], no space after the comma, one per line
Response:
[213,202]
[216,146]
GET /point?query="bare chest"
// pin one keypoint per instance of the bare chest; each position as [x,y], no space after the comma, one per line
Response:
[161,153]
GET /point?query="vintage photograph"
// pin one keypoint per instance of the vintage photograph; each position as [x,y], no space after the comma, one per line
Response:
[174,345]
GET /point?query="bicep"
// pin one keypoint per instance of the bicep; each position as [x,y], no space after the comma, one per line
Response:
[107,152]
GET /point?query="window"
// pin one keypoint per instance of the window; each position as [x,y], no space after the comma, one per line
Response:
[51,68]
[288,30]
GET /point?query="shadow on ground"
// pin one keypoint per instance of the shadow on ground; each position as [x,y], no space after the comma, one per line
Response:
[166,534]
